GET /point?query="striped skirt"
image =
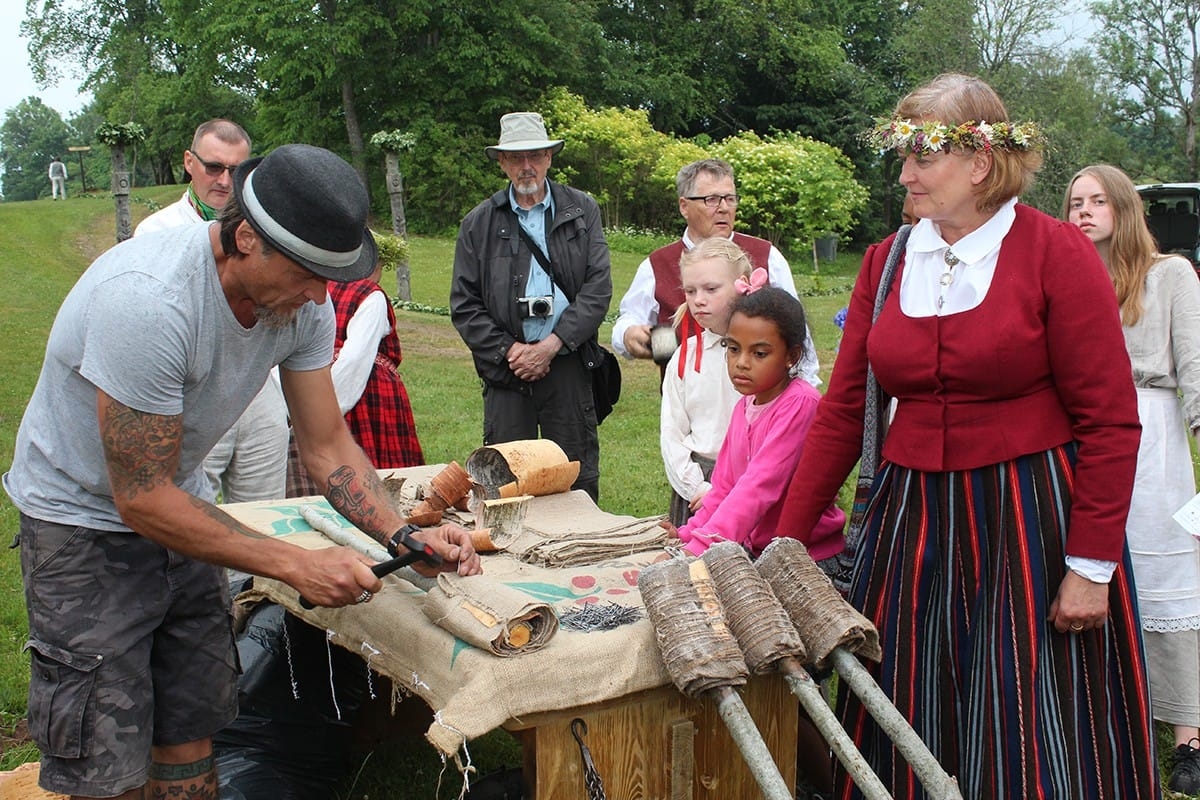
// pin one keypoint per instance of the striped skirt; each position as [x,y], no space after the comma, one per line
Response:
[958,571]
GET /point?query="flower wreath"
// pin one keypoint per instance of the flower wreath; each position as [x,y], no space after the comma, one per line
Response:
[906,136]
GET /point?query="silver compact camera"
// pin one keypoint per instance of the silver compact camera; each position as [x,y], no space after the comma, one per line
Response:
[541,306]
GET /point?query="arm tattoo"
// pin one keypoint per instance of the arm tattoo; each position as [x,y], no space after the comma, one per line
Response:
[141,450]
[216,514]
[353,495]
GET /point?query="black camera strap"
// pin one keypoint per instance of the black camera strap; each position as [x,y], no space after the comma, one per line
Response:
[542,259]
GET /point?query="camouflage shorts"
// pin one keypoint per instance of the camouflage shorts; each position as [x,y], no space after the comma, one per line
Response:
[130,646]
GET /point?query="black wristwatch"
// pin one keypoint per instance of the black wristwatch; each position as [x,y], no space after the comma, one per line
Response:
[404,537]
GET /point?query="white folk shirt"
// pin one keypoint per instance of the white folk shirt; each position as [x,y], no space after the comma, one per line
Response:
[695,414]
[354,361]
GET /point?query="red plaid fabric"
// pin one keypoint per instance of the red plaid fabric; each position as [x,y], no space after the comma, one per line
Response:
[382,421]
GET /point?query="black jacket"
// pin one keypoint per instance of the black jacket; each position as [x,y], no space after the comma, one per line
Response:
[491,267]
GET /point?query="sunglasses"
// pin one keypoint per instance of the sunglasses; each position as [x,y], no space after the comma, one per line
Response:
[213,169]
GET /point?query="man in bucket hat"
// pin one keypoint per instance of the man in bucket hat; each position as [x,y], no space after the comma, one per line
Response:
[531,287]
[154,353]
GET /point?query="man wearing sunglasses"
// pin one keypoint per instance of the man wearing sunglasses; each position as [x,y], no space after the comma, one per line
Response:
[218,146]
[708,202]
[250,461]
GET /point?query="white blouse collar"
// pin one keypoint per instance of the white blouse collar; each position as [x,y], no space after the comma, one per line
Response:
[926,236]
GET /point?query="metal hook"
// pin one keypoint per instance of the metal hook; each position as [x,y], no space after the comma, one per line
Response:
[591,776]
[579,730]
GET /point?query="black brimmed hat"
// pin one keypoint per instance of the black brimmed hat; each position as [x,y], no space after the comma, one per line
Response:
[309,204]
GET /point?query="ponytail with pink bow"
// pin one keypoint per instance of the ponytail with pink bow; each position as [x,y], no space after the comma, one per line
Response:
[758,279]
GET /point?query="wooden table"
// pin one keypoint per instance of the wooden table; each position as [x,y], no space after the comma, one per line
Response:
[647,740]
[658,744]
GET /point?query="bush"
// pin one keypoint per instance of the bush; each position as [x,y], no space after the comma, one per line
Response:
[393,251]
[610,154]
[794,189]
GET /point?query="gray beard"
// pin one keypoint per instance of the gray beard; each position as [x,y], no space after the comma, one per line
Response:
[274,320]
[528,187]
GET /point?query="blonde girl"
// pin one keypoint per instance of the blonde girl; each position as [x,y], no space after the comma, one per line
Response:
[697,395]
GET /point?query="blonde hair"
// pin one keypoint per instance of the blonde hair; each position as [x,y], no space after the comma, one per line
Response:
[1131,249]
[714,247]
[953,99]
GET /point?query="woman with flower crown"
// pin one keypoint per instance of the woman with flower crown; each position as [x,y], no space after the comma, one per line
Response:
[992,557]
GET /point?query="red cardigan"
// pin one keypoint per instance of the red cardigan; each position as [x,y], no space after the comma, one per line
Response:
[1039,362]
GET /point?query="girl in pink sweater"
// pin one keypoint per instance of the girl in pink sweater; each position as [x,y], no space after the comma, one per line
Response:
[766,432]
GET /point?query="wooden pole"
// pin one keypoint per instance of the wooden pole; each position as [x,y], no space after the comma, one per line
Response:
[831,629]
[770,642]
[703,658]
[395,189]
[120,190]
[79,150]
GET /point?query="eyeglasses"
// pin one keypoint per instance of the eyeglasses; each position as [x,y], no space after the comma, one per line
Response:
[536,157]
[213,169]
[714,200]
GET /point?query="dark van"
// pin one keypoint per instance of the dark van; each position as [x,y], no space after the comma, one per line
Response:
[1173,214]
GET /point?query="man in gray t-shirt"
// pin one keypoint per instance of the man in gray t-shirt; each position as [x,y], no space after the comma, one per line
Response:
[155,352]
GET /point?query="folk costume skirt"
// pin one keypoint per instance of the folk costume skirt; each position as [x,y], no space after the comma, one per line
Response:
[958,571]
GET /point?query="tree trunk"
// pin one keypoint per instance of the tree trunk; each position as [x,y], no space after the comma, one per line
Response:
[1190,118]
[354,133]
[120,190]
[395,188]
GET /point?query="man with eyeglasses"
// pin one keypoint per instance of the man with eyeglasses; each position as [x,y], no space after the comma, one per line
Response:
[708,201]
[250,461]
[531,286]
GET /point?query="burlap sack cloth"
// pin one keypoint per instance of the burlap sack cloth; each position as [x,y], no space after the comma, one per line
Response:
[568,529]
[470,690]
[489,615]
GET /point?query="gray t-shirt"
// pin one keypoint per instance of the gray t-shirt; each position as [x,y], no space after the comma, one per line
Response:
[149,324]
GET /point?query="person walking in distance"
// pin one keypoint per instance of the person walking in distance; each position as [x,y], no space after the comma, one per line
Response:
[58,179]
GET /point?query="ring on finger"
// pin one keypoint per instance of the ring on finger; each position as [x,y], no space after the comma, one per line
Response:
[365,597]
[1075,626]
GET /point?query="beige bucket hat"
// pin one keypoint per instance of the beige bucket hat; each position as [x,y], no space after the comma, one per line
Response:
[521,131]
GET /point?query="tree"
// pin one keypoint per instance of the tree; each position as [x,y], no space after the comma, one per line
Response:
[1153,47]
[1072,103]
[309,63]
[935,37]
[721,66]
[138,60]
[612,153]
[1009,32]
[32,134]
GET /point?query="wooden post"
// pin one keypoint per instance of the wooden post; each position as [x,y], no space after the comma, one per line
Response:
[395,189]
[120,190]
[80,150]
